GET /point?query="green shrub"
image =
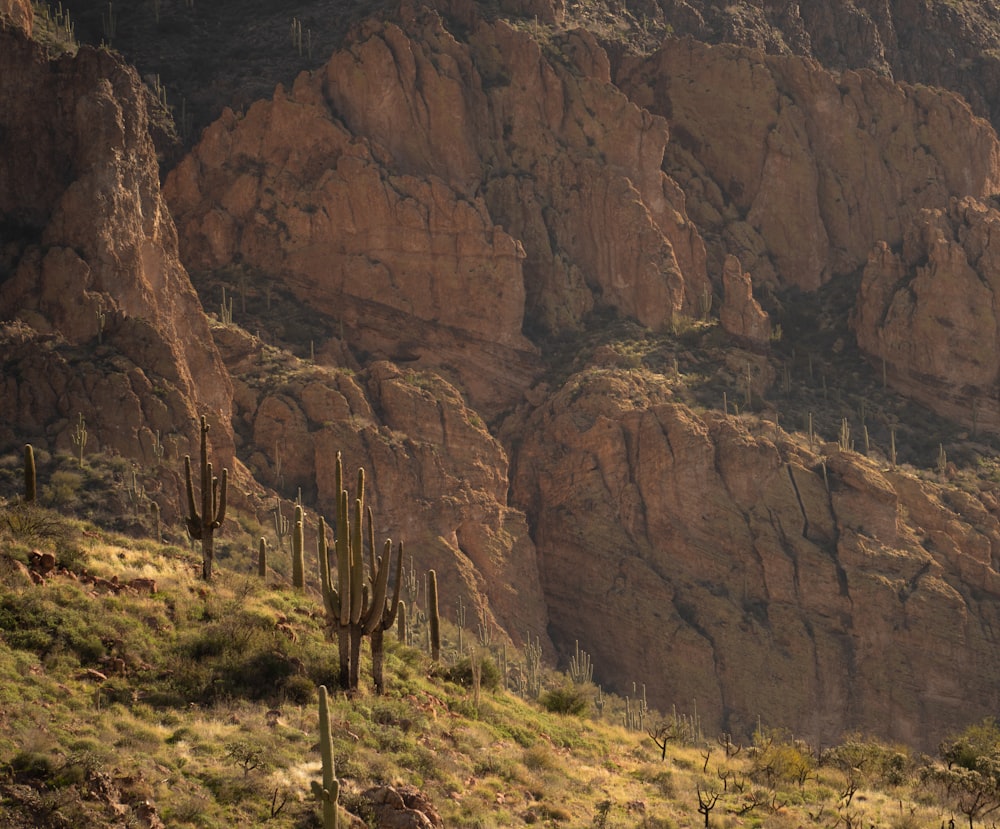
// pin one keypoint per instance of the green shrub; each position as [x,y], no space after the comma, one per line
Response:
[461,673]
[567,699]
[32,766]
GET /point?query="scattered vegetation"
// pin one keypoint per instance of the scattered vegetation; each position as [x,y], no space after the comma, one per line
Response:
[127,683]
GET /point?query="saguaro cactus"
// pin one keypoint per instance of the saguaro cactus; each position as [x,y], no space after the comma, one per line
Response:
[30,481]
[202,524]
[382,614]
[356,609]
[298,551]
[79,437]
[433,618]
[262,558]
[327,792]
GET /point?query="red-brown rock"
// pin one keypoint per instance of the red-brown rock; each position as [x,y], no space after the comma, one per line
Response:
[930,312]
[799,171]
[104,320]
[741,315]
[18,13]
[549,199]
[713,564]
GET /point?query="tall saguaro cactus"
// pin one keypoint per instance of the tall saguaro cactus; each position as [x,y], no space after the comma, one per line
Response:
[328,791]
[202,524]
[433,617]
[354,608]
[298,550]
[262,558]
[30,480]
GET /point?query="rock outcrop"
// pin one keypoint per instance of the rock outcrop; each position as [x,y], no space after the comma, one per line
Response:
[436,479]
[19,13]
[101,317]
[930,311]
[718,565]
[548,201]
[741,315]
[797,171]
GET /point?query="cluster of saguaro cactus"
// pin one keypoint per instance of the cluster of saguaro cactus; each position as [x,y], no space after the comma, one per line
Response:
[634,716]
[354,608]
[201,525]
[327,792]
[581,669]
[528,682]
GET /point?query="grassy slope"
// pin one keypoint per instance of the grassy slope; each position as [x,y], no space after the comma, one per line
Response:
[206,709]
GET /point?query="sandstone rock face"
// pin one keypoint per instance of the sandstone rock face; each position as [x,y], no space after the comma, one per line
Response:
[547,200]
[930,311]
[715,565]
[799,172]
[435,478]
[741,315]
[102,318]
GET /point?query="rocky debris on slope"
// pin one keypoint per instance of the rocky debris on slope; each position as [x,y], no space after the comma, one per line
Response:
[717,565]
[436,479]
[101,316]
[799,172]
[402,807]
[929,309]
[549,199]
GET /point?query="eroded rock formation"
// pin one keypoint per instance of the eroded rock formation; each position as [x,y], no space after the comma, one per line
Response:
[797,171]
[102,319]
[436,479]
[929,310]
[728,568]
[548,200]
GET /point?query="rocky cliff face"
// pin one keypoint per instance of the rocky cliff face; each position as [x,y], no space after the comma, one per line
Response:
[436,479]
[548,200]
[102,319]
[711,562]
[948,44]
[799,172]
[659,537]
[929,310]
[19,13]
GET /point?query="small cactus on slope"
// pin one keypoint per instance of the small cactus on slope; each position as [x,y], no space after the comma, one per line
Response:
[30,480]
[327,792]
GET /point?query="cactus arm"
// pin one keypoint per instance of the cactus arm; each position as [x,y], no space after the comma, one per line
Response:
[193,520]
[357,565]
[220,516]
[392,608]
[344,560]
[331,598]
[380,588]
